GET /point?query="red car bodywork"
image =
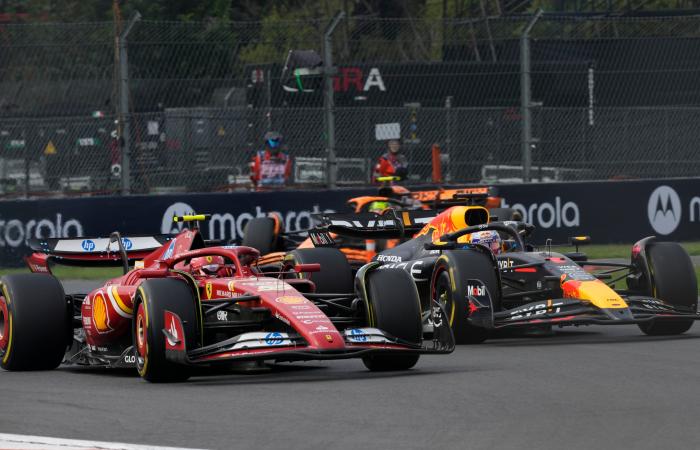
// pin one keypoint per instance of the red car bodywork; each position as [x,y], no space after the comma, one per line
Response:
[107,313]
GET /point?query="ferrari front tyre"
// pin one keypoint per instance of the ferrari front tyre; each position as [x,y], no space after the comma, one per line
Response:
[259,233]
[674,282]
[153,298]
[450,288]
[394,307]
[34,322]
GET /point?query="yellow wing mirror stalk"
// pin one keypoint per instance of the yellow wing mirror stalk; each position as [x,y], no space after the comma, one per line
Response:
[578,241]
[196,218]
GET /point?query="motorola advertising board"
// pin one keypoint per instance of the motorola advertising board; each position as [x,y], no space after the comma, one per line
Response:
[142,215]
[609,212]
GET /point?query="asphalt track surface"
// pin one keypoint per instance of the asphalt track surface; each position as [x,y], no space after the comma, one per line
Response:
[589,387]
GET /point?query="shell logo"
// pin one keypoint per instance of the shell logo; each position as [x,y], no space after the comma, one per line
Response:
[290,300]
[100,316]
[208,290]
[231,286]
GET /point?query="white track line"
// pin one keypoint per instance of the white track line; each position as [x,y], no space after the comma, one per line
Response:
[23,442]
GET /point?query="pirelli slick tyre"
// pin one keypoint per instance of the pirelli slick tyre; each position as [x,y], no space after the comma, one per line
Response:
[335,276]
[450,287]
[34,322]
[153,298]
[394,307]
[259,233]
[673,281]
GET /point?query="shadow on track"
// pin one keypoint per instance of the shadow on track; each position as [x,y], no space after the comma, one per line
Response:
[275,374]
[579,337]
[285,374]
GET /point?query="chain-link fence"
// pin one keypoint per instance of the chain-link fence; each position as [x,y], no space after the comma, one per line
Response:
[610,98]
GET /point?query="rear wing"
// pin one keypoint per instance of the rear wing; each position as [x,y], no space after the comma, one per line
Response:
[390,225]
[90,251]
[469,196]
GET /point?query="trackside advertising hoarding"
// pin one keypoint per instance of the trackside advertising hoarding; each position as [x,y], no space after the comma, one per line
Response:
[609,212]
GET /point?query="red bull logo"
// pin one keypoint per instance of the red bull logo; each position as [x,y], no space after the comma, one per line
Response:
[594,291]
[570,288]
[448,221]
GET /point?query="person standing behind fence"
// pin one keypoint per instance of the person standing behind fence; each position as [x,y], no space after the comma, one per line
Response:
[271,167]
[393,162]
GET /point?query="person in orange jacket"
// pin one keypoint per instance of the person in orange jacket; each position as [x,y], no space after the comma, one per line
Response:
[271,167]
[393,162]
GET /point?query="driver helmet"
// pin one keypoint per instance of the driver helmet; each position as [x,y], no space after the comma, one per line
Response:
[206,265]
[489,239]
[377,206]
[273,140]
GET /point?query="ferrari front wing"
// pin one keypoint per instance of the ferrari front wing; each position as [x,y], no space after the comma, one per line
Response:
[278,346]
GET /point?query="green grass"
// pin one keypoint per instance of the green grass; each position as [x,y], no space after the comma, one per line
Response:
[104,273]
[75,273]
[624,250]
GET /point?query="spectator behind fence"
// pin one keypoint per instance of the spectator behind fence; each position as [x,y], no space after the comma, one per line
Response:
[393,162]
[271,167]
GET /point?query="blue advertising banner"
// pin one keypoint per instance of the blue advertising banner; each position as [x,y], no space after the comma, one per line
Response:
[610,212]
[615,211]
[99,216]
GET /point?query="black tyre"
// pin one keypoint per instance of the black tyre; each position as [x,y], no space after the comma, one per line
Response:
[449,287]
[259,233]
[505,214]
[34,322]
[674,281]
[394,308]
[152,299]
[335,276]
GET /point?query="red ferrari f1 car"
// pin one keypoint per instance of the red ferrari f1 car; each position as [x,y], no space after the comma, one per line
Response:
[187,304]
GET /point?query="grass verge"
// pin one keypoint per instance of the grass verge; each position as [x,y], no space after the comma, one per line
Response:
[74,273]
[104,273]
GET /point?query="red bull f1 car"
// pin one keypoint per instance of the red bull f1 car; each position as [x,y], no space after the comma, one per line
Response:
[518,284]
[187,304]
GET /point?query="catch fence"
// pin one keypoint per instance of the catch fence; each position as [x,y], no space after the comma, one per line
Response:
[171,106]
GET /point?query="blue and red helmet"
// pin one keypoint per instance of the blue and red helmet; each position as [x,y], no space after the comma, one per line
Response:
[489,239]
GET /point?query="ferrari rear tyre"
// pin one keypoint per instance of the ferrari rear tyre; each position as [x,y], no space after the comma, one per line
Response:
[450,288]
[153,298]
[674,281]
[335,276]
[395,308]
[259,233]
[34,322]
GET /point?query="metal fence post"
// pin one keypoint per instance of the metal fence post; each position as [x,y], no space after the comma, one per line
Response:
[124,116]
[328,103]
[526,97]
